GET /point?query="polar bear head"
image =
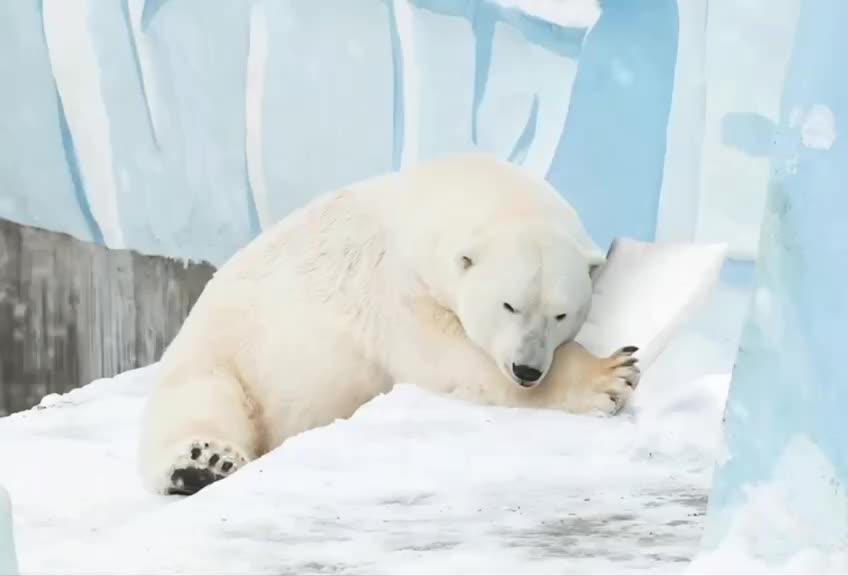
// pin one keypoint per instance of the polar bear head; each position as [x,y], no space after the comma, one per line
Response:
[521,295]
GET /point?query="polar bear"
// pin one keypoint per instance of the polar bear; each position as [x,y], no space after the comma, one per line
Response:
[464,275]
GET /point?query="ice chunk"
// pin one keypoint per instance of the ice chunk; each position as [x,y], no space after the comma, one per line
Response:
[785,415]
[646,291]
[798,515]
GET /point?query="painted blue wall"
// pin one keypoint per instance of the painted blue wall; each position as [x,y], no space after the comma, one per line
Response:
[609,161]
[785,419]
[126,124]
[38,172]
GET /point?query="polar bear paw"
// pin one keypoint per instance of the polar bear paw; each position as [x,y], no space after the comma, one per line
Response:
[618,377]
[201,463]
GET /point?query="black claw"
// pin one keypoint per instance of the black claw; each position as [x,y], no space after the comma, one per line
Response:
[195,453]
[630,349]
[629,362]
[214,459]
[187,481]
[226,466]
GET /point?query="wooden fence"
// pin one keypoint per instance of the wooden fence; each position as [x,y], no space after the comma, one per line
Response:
[72,311]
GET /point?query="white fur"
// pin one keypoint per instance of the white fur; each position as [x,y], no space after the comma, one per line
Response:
[400,278]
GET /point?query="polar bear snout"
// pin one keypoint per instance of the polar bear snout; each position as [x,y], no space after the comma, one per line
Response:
[527,375]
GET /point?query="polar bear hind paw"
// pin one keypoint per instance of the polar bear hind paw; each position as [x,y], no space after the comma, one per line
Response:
[201,464]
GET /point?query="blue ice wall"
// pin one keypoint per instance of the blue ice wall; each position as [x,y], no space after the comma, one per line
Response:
[785,470]
[184,128]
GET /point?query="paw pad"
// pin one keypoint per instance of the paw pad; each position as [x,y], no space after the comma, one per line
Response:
[202,464]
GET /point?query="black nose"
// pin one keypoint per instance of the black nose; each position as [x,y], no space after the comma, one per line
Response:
[526,373]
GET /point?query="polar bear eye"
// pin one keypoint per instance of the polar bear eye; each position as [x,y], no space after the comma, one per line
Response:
[508,307]
[560,317]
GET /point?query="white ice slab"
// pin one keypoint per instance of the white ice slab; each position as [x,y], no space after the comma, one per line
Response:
[645,293]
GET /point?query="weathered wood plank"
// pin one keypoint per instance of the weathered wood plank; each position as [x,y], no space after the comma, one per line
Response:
[72,311]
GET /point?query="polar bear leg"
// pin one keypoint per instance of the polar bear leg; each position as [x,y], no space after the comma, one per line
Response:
[196,431]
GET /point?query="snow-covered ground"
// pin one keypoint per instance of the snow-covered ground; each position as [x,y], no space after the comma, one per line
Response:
[412,483]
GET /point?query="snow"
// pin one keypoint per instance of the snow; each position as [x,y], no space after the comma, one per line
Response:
[412,483]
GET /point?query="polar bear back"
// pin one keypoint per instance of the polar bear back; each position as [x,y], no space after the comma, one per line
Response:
[474,191]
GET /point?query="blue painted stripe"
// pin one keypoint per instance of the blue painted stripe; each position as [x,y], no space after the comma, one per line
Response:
[522,144]
[483,26]
[397,66]
[253,222]
[73,168]
[71,153]
[611,153]
[252,213]
[137,64]
[151,8]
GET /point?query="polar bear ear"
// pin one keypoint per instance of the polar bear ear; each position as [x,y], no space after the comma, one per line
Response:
[596,263]
[594,270]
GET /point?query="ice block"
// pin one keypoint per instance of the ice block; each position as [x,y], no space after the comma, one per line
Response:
[646,291]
